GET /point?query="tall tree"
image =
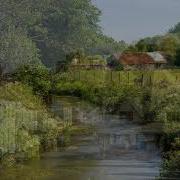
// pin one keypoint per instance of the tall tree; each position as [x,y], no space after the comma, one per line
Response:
[71,25]
[169,45]
[16,49]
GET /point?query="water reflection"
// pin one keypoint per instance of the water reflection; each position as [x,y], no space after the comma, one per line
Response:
[119,148]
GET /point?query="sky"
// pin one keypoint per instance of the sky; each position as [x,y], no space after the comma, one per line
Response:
[131,20]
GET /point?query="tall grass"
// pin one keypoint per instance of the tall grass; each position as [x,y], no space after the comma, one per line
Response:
[25,124]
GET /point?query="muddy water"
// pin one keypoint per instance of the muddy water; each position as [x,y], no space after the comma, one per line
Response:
[117,149]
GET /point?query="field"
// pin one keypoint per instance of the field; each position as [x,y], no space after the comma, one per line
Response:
[123,77]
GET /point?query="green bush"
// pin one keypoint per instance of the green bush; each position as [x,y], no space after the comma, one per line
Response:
[109,96]
[37,77]
[171,166]
[114,63]
[25,123]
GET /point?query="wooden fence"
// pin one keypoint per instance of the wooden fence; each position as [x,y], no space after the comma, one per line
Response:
[122,77]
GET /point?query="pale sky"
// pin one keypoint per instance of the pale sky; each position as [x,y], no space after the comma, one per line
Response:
[131,20]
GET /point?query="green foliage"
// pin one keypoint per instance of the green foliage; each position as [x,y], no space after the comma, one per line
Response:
[26,124]
[177,58]
[157,103]
[18,92]
[16,49]
[114,63]
[57,28]
[37,77]
[169,44]
[148,111]
[171,166]
[105,45]
[26,15]
[131,48]
[148,44]
[71,25]
[108,95]
[175,29]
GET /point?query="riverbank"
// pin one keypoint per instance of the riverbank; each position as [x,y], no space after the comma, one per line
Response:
[158,103]
[26,127]
[112,148]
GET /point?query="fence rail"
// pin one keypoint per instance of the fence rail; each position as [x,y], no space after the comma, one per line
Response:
[123,77]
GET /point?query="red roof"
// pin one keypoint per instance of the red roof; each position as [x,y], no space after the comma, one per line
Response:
[136,58]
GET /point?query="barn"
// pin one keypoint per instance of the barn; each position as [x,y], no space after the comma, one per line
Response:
[143,61]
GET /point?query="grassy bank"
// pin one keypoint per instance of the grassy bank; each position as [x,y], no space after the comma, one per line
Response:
[26,127]
[156,99]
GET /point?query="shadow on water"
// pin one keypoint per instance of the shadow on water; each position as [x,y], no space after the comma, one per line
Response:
[118,149]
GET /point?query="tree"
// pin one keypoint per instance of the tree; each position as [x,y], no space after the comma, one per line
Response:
[142,45]
[58,27]
[17,49]
[169,44]
[105,45]
[71,25]
[36,76]
[148,44]
[131,48]
[177,58]
[175,29]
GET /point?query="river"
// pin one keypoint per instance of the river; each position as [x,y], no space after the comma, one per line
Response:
[117,149]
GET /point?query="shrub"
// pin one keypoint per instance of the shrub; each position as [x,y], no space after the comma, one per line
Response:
[25,124]
[37,77]
[171,166]
[114,63]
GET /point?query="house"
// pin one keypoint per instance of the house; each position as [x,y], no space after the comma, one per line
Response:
[144,61]
[87,64]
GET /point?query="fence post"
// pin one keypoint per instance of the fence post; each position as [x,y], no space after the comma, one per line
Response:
[142,79]
[119,76]
[79,75]
[111,76]
[150,80]
[85,76]
[128,77]
[74,76]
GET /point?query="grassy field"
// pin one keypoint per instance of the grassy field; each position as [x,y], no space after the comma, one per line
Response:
[123,77]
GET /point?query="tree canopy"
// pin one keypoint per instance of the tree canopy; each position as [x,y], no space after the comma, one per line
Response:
[57,27]
[16,50]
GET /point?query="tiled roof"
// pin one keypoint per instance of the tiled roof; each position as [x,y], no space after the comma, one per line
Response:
[142,58]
